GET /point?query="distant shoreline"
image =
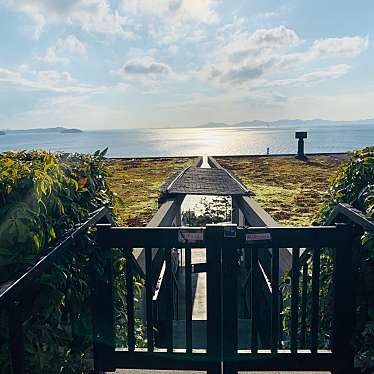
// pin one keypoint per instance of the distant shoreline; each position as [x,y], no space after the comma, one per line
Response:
[208,125]
[165,143]
[285,122]
[160,158]
[59,129]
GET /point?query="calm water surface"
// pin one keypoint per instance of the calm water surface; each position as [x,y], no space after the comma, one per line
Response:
[198,141]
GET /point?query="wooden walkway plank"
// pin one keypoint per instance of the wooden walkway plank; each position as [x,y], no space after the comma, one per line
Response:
[201,181]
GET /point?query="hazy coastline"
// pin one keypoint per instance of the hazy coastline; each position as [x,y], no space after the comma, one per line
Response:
[244,140]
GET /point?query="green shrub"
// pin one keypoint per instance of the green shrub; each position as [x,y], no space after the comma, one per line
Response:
[42,197]
[353,184]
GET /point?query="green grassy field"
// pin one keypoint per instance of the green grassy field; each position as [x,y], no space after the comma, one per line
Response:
[137,183]
[290,190]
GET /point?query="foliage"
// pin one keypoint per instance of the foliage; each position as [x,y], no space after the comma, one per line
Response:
[121,306]
[353,184]
[42,197]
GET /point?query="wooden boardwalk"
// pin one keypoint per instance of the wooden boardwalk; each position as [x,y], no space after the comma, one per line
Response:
[204,181]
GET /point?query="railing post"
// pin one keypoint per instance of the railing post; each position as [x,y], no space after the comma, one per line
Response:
[230,270]
[169,298]
[16,338]
[188,297]
[344,301]
[304,296]
[237,217]
[254,298]
[295,273]
[275,300]
[214,236]
[102,304]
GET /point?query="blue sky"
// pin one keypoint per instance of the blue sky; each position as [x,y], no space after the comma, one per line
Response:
[150,63]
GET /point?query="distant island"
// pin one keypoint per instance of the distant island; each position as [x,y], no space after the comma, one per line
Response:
[71,131]
[58,129]
[284,122]
[213,125]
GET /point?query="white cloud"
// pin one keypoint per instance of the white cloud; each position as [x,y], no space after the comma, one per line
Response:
[71,44]
[173,49]
[333,72]
[90,15]
[63,49]
[339,47]
[274,38]
[264,57]
[175,10]
[276,98]
[241,43]
[9,76]
[144,66]
[259,74]
[171,21]
[53,76]
[44,81]
[242,74]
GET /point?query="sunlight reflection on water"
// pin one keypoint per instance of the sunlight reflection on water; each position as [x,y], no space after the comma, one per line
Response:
[197,141]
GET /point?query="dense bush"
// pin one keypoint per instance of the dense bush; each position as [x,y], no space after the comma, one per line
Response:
[353,184]
[42,198]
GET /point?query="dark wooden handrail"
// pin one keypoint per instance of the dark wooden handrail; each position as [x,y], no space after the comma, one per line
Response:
[351,214]
[10,290]
[345,213]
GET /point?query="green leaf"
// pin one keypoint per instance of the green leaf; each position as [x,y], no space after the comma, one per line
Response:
[52,233]
[104,152]
[75,183]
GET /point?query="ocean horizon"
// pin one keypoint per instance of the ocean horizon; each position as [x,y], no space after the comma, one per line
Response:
[172,142]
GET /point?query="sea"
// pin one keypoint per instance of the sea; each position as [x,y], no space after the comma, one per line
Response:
[252,140]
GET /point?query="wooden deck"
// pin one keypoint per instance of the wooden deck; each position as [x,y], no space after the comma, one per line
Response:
[201,181]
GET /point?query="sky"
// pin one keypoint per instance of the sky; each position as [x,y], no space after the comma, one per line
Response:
[101,64]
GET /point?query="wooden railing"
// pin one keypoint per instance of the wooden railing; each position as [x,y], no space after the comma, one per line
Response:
[343,213]
[167,215]
[223,343]
[255,216]
[13,293]
[222,244]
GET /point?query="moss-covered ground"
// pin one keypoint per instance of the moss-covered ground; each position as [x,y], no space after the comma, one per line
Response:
[137,183]
[290,190]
